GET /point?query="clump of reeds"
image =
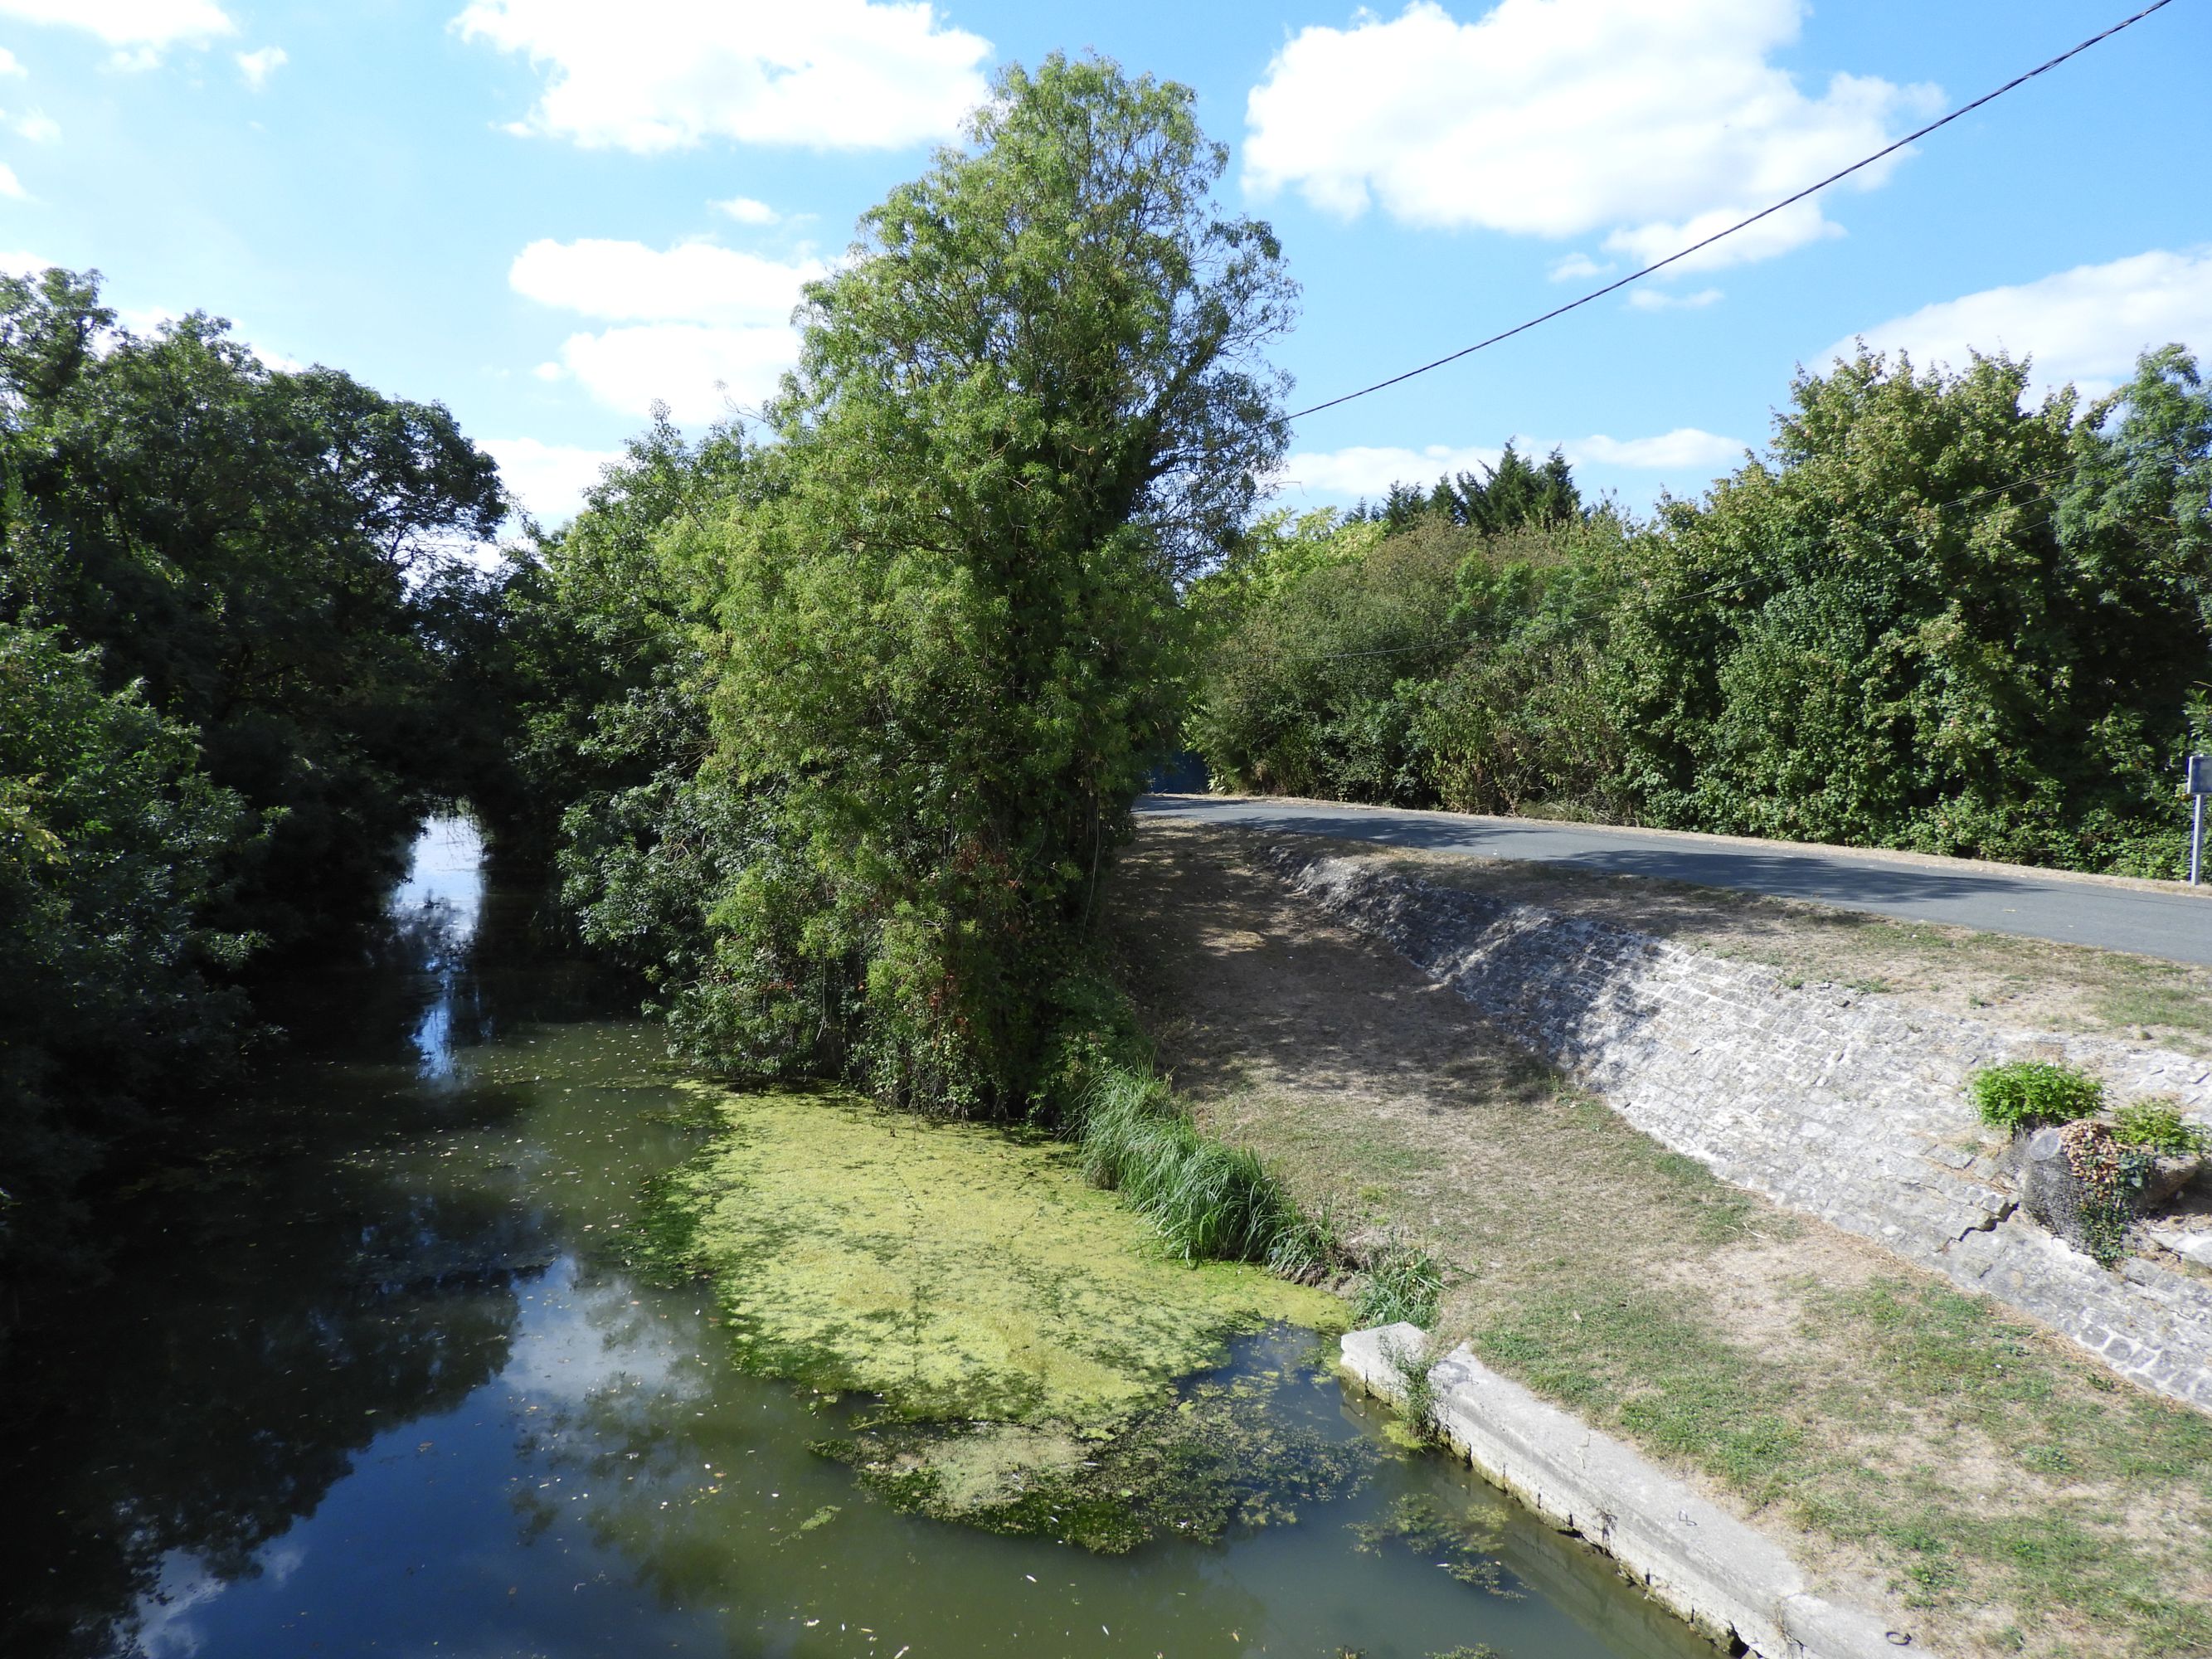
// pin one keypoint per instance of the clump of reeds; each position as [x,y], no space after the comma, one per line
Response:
[1208,1200]
[1402,1285]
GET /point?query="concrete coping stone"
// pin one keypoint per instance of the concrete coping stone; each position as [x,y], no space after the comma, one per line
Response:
[1724,1577]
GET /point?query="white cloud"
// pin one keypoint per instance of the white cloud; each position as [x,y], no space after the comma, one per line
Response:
[709,326]
[1686,449]
[1660,298]
[258,66]
[747,211]
[549,371]
[39,128]
[549,479]
[2086,326]
[1576,266]
[659,75]
[15,263]
[691,283]
[701,372]
[1366,470]
[10,64]
[10,186]
[141,23]
[1655,124]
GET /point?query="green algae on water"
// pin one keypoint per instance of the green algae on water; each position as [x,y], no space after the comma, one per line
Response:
[959,1272]
[1210,1459]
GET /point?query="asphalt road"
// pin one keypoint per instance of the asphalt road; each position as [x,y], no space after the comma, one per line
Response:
[2174,924]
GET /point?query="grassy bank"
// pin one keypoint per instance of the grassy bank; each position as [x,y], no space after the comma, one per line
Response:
[1915,1446]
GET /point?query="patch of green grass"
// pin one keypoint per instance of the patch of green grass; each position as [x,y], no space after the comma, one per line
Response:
[2177,1008]
[2063,1540]
[1648,1366]
[1401,1286]
[2157,1126]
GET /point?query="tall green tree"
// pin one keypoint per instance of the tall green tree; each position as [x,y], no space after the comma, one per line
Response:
[1937,618]
[253,547]
[1034,398]
[114,847]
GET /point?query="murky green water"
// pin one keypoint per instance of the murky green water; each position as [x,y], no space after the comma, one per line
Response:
[397,1390]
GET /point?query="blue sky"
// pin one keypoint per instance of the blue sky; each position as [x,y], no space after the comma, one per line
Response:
[545,213]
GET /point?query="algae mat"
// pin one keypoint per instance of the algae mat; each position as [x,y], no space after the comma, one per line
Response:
[957,1270]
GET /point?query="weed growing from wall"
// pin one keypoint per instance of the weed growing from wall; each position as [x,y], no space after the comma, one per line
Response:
[2022,1094]
[2157,1126]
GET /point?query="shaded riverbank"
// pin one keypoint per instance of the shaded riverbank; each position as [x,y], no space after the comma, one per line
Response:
[401,1384]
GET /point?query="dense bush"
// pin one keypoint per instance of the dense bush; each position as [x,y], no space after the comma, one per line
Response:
[1306,693]
[238,658]
[1934,618]
[2023,1093]
[114,845]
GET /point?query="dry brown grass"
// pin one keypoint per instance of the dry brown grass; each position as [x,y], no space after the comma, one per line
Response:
[2028,983]
[1917,1447]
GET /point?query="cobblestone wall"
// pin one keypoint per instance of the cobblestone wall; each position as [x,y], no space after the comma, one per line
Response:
[1847,1105]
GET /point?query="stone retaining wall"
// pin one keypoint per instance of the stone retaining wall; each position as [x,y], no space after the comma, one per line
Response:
[1728,1580]
[1848,1106]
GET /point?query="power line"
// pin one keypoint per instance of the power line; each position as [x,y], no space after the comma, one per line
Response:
[1788,201]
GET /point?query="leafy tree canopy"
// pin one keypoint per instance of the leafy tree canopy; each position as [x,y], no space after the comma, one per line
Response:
[250,545]
[946,641]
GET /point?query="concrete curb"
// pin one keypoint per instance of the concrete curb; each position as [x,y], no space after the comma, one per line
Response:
[1730,1581]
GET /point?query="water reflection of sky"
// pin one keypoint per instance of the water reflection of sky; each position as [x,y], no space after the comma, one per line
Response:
[510,1445]
[436,910]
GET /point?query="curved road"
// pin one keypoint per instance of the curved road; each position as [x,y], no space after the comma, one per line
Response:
[2150,919]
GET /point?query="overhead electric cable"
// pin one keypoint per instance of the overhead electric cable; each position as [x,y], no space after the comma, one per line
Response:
[1787,201]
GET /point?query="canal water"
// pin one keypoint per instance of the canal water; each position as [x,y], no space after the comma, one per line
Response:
[380,1380]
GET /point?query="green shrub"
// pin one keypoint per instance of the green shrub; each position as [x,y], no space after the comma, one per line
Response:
[2157,1126]
[2023,1093]
[1402,1285]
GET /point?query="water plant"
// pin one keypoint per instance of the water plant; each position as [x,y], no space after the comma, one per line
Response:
[959,1271]
[1462,1539]
[1416,1388]
[2022,1094]
[1210,1459]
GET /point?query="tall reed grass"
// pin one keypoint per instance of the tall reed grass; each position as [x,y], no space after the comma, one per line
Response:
[1210,1201]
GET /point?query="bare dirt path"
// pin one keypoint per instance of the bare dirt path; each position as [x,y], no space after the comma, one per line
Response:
[1920,1449]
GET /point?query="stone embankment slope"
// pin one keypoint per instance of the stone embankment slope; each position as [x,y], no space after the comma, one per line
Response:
[1846,1105]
